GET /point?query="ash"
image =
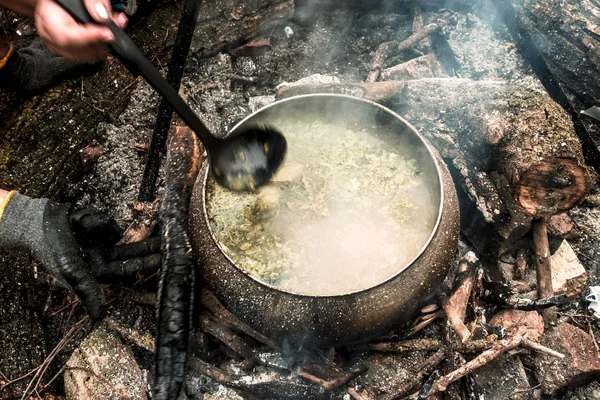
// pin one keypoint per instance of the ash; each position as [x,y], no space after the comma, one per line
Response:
[338,46]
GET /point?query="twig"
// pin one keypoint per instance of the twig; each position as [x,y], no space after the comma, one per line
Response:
[541,348]
[498,349]
[127,294]
[531,389]
[20,378]
[71,304]
[130,335]
[425,321]
[521,264]
[399,347]
[425,345]
[502,295]
[593,337]
[60,371]
[384,49]
[544,270]
[334,383]
[227,336]
[209,370]
[41,369]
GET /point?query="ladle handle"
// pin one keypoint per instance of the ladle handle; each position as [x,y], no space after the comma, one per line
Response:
[131,56]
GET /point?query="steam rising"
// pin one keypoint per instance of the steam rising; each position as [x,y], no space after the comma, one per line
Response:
[352,206]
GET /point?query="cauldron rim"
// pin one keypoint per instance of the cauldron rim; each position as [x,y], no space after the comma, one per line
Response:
[415,132]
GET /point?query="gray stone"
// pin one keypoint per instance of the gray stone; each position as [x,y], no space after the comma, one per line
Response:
[502,377]
[104,368]
[580,366]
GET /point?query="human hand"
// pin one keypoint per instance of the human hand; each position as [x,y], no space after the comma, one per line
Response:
[41,228]
[97,234]
[70,39]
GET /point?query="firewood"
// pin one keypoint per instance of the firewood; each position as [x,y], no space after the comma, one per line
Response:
[227,337]
[209,370]
[226,318]
[455,306]
[497,350]
[543,267]
[135,249]
[176,285]
[385,48]
[400,347]
[502,295]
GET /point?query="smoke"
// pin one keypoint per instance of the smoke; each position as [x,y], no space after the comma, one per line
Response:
[355,202]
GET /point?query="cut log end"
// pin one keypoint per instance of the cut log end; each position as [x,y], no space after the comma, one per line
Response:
[553,185]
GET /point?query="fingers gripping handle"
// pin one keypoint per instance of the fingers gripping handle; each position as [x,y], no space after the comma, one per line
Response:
[122,47]
[77,10]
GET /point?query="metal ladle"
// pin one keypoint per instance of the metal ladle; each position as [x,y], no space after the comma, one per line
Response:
[242,162]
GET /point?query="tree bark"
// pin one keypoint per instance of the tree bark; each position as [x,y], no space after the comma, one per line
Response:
[567,34]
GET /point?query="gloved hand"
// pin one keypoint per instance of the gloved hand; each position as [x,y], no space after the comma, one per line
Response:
[97,233]
[41,228]
[35,68]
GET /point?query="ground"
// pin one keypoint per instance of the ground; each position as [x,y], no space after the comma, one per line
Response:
[41,138]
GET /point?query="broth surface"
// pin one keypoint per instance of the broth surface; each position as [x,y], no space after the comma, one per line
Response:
[349,209]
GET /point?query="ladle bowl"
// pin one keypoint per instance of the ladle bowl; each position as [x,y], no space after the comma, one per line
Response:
[243,161]
[297,319]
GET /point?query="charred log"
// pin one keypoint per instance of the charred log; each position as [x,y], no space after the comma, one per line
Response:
[176,286]
[502,295]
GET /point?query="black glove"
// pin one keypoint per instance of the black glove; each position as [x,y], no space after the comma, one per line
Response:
[98,234]
[41,228]
[35,68]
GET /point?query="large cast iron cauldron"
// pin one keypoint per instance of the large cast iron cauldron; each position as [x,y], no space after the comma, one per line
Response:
[303,320]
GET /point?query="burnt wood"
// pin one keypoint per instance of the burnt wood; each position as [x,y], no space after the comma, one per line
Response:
[177,277]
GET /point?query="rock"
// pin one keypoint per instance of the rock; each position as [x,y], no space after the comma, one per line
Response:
[560,225]
[568,275]
[104,368]
[517,321]
[254,48]
[500,378]
[389,373]
[580,366]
